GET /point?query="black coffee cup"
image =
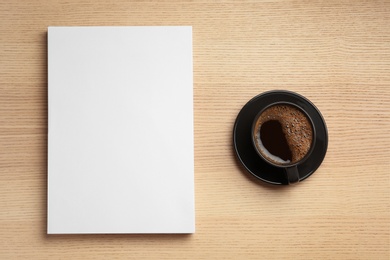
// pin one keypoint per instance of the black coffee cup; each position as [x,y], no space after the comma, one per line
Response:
[284,136]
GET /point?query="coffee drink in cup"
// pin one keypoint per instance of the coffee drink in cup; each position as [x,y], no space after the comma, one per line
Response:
[283,134]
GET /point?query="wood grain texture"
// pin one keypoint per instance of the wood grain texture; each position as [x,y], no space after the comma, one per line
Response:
[336,53]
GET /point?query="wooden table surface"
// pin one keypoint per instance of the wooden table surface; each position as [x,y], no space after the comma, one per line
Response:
[336,53]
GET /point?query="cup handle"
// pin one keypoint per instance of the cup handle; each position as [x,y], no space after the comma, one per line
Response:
[292,174]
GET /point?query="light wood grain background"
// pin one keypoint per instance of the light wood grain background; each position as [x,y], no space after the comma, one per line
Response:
[336,53]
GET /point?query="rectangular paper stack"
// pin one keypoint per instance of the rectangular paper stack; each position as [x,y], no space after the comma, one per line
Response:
[120,142]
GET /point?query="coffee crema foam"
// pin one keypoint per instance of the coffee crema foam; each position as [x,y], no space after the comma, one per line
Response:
[283,134]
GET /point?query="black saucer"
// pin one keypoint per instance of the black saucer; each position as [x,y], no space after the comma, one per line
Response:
[248,155]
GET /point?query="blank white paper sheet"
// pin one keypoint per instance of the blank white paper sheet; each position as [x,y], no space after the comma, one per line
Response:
[120,138]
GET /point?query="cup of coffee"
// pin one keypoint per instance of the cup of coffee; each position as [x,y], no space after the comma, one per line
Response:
[283,135]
